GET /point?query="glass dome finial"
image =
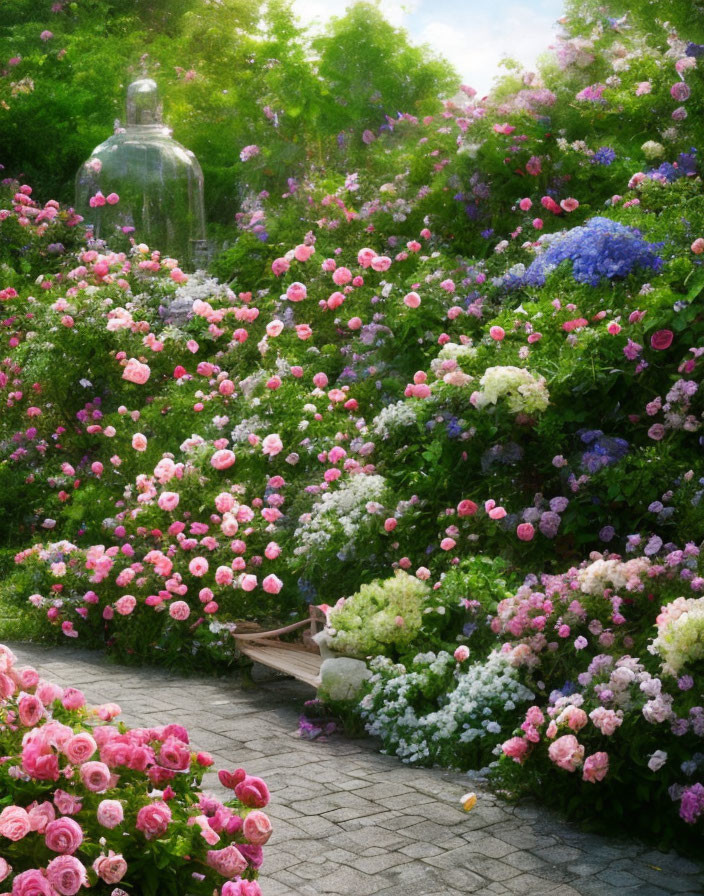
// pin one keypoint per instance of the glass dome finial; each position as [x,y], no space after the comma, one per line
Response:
[143,105]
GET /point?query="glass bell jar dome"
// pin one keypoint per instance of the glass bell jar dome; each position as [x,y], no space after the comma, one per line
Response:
[141,183]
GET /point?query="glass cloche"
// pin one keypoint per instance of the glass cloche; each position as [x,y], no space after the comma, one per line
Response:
[142,183]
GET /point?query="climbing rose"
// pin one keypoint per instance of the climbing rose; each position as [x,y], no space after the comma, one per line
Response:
[136,372]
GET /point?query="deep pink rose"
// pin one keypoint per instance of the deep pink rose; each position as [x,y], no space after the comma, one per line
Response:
[63,836]
[252,792]
[175,754]
[661,340]
[31,710]
[241,888]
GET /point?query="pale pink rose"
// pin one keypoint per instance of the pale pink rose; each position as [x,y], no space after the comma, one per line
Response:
[574,717]
[95,776]
[72,698]
[596,767]
[365,257]
[461,653]
[412,299]
[381,263]
[66,875]
[224,502]
[222,459]
[65,835]
[606,720]
[40,816]
[569,205]
[136,372]
[110,868]
[179,610]
[257,828]
[497,333]
[272,445]
[304,331]
[698,246]
[248,582]
[14,823]
[80,748]
[139,442]
[303,252]
[168,501]
[566,752]
[5,869]
[448,544]
[341,276]
[198,566]
[274,328]
[228,862]
[110,813]
[224,575]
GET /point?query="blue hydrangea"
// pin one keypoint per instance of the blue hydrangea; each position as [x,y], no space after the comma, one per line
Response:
[599,249]
[604,156]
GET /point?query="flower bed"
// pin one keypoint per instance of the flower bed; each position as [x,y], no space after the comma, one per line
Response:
[90,804]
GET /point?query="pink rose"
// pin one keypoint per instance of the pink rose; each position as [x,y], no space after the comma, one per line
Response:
[136,372]
[272,445]
[252,792]
[72,698]
[461,653]
[66,875]
[31,710]
[5,869]
[110,813]
[153,820]
[466,508]
[229,861]
[296,292]
[179,610]
[95,776]
[222,459]
[661,340]
[139,442]
[566,752]
[174,754]
[596,767]
[497,333]
[516,748]
[80,748]
[525,532]
[412,300]
[110,868]
[40,815]
[31,883]
[241,888]
[257,828]
[125,604]
[14,823]
[272,584]
[168,501]
[64,835]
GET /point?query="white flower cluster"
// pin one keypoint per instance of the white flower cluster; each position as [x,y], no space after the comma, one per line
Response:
[602,574]
[243,429]
[680,638]
[480,706]
[393,417]
[523,392]
[339,512]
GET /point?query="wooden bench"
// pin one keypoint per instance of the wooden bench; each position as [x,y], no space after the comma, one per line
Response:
[301,660]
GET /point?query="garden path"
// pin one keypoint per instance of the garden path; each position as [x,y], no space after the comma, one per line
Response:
[349,821]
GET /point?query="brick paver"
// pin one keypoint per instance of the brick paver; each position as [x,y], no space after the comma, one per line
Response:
[349,821]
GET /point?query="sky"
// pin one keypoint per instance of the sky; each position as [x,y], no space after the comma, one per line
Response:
[473,34]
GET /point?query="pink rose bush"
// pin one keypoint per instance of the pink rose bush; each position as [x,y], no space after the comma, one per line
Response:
[90,805]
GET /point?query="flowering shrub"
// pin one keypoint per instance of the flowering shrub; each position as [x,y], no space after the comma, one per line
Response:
[89,805]
[439,709]
[382,617]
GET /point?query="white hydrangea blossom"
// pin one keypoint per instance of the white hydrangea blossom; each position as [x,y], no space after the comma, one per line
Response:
[393,417]
[522,391]
[341,510]
[680,638]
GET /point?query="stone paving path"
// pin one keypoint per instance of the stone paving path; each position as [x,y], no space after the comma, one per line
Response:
[349,821]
